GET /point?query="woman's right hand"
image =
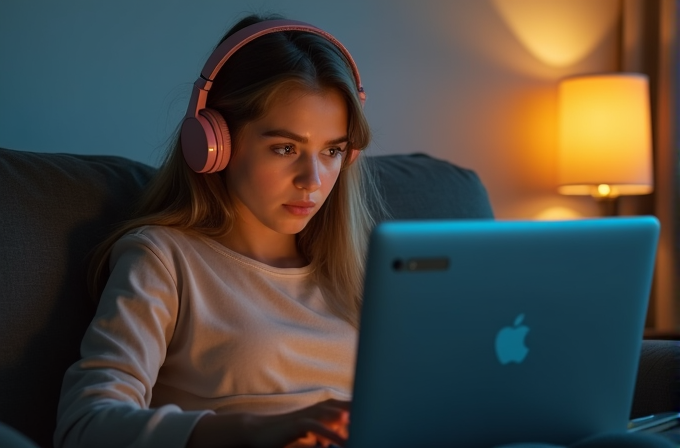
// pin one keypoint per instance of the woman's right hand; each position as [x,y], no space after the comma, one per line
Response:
[322,424]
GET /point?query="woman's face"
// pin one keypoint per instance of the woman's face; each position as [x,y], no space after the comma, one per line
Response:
[286,163]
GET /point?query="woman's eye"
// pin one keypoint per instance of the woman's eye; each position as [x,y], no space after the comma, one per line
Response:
[284,150]
[335,152]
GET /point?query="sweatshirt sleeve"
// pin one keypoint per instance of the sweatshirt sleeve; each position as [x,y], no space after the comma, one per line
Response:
[106,395]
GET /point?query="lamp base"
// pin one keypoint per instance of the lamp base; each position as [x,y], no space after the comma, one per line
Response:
[609,206]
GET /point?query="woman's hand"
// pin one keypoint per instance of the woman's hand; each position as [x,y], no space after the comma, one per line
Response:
[322,424]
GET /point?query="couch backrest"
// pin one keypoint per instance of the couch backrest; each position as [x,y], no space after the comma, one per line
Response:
[56,207]
[417,186]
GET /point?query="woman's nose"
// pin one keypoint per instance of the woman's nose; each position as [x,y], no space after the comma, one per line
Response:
[307,177]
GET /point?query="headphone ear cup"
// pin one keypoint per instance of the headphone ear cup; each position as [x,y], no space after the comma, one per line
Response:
[221,131]
[206,143]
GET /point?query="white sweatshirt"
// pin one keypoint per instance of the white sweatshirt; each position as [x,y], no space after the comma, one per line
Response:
[186,326]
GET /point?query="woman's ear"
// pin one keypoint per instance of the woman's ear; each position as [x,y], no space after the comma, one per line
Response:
[351,157]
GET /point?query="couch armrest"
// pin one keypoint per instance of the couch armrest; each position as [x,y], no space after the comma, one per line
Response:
[658,382]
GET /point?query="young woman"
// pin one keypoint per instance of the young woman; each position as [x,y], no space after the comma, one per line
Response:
[229,304]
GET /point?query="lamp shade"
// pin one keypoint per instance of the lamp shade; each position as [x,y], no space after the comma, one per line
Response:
[605,143]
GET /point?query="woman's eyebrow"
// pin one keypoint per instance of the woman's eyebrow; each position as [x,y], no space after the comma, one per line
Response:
[299,138]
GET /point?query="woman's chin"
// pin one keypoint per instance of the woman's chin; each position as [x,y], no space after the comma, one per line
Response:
[292,227]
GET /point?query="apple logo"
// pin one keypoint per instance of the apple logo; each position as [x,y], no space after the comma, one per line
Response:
[510,342]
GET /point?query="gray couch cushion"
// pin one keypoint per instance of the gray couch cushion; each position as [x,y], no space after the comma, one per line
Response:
[658,382]
[53,210]
[417,186]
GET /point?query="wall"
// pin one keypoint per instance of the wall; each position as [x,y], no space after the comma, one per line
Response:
[470,81]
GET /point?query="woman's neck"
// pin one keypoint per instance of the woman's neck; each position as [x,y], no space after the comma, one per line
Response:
[268,247]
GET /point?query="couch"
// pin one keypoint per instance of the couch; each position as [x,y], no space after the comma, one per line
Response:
[56,207]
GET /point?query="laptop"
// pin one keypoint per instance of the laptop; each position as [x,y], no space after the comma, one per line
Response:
[483,333]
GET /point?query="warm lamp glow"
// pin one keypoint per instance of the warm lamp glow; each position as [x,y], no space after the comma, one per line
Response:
[557,214]
[605,139]
[604,190]
[559,32]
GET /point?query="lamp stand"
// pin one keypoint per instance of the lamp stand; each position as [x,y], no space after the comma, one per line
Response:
[609,206]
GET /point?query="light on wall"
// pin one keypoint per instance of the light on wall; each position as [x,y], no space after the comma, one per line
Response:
[605,143]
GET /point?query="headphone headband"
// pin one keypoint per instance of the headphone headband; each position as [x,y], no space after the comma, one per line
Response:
[245,35]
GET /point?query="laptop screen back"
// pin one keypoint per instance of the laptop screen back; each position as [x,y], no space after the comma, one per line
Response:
[479,333]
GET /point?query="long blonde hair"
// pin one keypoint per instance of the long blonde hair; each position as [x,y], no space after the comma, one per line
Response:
[336,238]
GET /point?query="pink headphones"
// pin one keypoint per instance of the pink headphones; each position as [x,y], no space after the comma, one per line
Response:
[206,143]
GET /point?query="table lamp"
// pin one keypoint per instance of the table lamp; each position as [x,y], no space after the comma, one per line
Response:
[605,143]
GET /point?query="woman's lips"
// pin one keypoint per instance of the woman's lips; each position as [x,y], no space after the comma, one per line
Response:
[300,208]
